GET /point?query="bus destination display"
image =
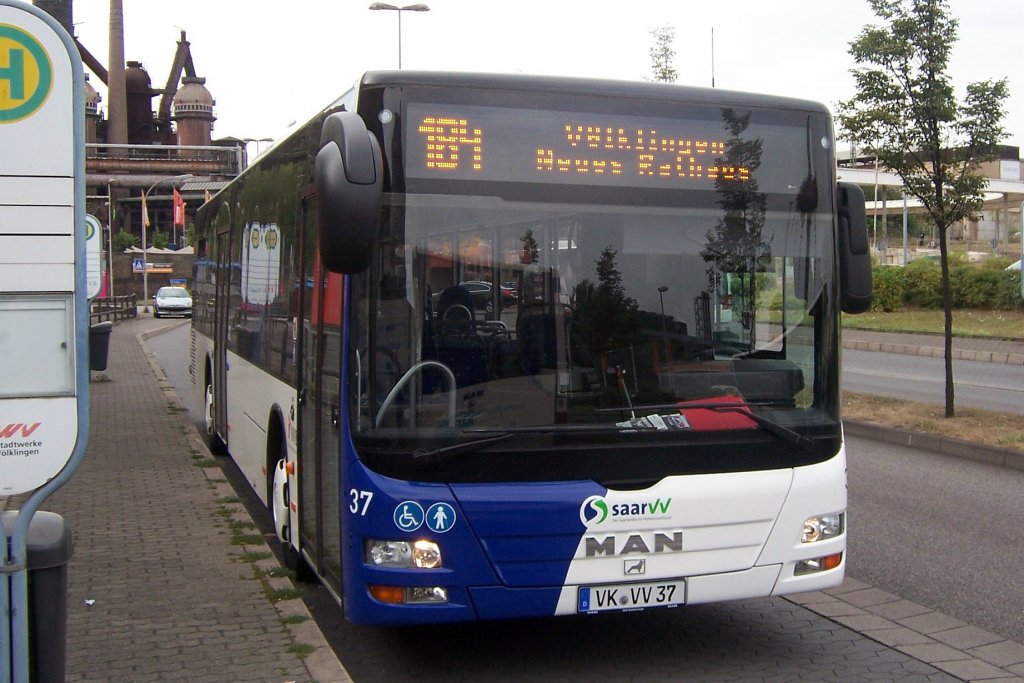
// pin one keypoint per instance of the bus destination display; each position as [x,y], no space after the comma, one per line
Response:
[529,145]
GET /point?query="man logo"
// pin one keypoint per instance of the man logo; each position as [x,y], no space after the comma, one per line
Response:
[634,567]
[593,511]
[26,75]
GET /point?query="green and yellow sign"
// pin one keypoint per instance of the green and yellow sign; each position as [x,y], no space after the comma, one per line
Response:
[26,74]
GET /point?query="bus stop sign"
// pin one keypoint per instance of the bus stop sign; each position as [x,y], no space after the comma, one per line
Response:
[43,298]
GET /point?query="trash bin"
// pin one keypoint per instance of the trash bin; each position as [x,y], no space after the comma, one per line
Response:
[99,342]
[48,549]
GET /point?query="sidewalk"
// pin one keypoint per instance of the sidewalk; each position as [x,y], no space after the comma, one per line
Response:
[167,581]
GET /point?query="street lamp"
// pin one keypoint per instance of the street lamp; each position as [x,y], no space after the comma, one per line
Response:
[418,7]
[145,218]
[664,328]
[110,239]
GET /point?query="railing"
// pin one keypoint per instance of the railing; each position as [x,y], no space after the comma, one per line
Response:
[103,157]
[118,308]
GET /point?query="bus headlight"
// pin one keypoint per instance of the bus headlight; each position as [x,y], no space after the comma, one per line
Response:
[419,554]
[823,527]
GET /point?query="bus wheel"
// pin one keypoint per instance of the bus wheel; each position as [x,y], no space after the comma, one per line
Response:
[213,440]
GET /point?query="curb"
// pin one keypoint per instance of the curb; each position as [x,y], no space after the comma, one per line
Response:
[321,663]
[944,445]
[1002,357]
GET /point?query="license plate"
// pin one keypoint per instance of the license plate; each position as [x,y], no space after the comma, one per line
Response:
[625,596]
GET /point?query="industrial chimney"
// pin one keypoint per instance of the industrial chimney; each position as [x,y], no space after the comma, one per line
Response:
[117,111]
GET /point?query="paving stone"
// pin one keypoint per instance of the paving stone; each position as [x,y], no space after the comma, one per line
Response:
[849,585]
[869,597]
[932,652]
[836,609]
[865,622]
[966,637]
[900,609]
[900,635]
[931,622]
[971,669]
[1005,653]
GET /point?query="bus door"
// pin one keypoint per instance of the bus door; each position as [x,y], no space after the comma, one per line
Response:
[220,342]
[320,417]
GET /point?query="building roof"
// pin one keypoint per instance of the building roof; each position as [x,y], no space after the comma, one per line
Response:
[203,185]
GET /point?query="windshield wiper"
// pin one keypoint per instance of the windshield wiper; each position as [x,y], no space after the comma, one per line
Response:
[432,456]
[788,435]
[548,429]
[689,404]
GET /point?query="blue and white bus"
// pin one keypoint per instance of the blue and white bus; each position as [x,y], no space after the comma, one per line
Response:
[505,346]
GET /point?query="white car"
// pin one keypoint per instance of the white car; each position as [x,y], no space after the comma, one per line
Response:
[172,301]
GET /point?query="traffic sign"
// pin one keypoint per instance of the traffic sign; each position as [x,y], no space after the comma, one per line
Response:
[93,256]
[43,236]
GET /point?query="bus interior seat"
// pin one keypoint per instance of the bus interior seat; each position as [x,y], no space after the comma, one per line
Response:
[458,345]
[455,308]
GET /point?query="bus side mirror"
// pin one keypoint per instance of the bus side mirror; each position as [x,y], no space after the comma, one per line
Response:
[349,182]
[854,255]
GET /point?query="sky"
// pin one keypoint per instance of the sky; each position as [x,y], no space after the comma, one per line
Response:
[271,64]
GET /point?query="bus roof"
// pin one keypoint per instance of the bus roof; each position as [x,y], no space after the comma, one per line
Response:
[584,86]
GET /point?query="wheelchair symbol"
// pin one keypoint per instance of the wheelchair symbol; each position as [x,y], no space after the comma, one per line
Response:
[408,515]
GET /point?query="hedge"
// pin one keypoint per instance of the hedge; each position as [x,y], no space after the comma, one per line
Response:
[919,284]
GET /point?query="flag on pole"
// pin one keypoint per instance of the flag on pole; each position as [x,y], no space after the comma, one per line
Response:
[145,211]
[179,209]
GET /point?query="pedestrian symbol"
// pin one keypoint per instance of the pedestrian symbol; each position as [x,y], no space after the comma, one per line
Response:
[440,517]
[408,515]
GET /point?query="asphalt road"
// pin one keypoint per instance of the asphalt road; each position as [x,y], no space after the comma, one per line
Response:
[943,532]
[991,386]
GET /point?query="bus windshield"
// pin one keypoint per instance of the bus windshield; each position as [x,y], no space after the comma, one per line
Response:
[615,272]
[486,314]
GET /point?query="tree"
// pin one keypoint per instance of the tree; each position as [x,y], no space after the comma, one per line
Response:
[605,315]
[161,240]
[905,111]
[663,55]
[735,244]
[124,240]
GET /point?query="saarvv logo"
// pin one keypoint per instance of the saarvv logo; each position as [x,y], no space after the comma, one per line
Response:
[26,74]
[18,429]
[594,510]
[597,509]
